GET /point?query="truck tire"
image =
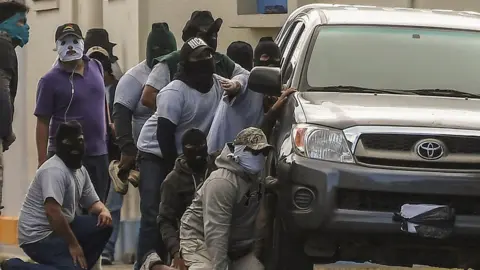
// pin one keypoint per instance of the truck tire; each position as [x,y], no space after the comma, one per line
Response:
[284,252]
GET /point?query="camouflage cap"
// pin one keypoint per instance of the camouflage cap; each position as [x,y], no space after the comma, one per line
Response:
[253,138]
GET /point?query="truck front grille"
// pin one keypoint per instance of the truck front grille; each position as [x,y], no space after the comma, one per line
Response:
[392,201]
[406,142]
[400,151]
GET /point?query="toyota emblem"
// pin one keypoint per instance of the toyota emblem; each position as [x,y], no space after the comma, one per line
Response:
[430,149]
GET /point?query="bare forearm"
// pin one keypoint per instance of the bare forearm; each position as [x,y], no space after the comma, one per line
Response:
[149,97]
[97,208]
[61,227]
[41,135]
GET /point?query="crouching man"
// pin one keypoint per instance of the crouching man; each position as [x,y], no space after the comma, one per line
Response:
[218,229]
[179,187]
[49,232]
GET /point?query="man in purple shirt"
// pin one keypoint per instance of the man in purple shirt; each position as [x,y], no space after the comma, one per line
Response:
[74,90]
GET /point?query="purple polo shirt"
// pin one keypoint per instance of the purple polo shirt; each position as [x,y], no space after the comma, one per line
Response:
[88,104]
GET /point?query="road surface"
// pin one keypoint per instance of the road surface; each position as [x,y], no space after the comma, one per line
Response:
[318,267]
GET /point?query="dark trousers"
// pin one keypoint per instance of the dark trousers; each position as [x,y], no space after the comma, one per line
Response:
[153,171]
[97,167]
[52,252]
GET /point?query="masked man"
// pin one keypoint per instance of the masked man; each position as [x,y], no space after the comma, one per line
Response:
[99,37]
[189,101]
[114,200]
[203,25]
[178,189]
[241,53]
[218,229]
[129,116]
[74,90]
[252,109]
[49,231]
[14,31]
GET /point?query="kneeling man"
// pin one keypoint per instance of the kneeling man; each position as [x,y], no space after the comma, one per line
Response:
[218,229]
[49,231]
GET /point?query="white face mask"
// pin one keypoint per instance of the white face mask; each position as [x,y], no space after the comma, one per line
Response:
[70,48]
[251,164]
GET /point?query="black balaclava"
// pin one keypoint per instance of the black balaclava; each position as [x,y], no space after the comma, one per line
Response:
[202,25]
[196,74]
[194,144]
[104,60]
[161,41]
[241,53]
[267,53]
[99,37]
[70,145]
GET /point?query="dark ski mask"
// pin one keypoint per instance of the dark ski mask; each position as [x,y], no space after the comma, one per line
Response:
[241,53]
[267,53]
[70,147]
[202,25]
[160,42]
[197,65]
[194,144]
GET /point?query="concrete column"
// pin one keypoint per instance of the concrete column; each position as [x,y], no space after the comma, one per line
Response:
[90,14]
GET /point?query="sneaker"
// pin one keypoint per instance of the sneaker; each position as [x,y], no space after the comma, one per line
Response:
[3,265]
[119,185]
[106,260]
[134,178]
[151,259]
[97,265]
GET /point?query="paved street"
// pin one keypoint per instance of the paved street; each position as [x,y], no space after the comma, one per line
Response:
[319,267]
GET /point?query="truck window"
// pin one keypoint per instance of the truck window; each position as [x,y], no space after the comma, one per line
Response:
[287,67]
[402,58]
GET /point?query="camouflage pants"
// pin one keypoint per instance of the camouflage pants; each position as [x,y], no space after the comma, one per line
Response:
[1,174]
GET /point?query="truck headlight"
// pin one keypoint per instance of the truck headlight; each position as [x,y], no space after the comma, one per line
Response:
[321,143]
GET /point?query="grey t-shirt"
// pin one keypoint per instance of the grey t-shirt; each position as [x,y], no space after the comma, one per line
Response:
[129,93]
[70,188]
[185,107]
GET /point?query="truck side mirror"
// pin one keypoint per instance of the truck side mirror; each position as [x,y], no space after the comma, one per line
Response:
[266,80]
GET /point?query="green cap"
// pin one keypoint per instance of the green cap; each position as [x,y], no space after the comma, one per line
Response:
[252,138]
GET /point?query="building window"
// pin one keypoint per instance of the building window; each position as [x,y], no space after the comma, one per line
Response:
[245,7]
[44,5]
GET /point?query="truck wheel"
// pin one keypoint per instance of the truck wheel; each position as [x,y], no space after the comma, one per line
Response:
[284,252]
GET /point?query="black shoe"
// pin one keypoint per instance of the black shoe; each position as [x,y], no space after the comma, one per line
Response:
[3,265]
[105,260]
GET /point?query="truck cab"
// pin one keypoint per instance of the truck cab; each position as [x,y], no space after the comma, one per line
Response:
[387,115]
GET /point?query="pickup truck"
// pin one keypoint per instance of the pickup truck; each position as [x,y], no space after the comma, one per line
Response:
[386,117]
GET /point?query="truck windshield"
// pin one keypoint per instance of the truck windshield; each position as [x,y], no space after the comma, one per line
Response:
[399,58]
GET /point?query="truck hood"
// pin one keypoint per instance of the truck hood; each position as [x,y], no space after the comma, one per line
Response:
[343,110]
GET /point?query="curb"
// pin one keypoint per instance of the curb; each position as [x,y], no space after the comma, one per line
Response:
[8,233]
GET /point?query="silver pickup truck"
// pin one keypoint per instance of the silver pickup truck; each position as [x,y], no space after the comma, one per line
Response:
[385,123]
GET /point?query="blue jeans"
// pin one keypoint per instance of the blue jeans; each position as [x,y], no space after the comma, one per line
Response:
[114,204]
[52,252]
[152,173]
[97,167]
